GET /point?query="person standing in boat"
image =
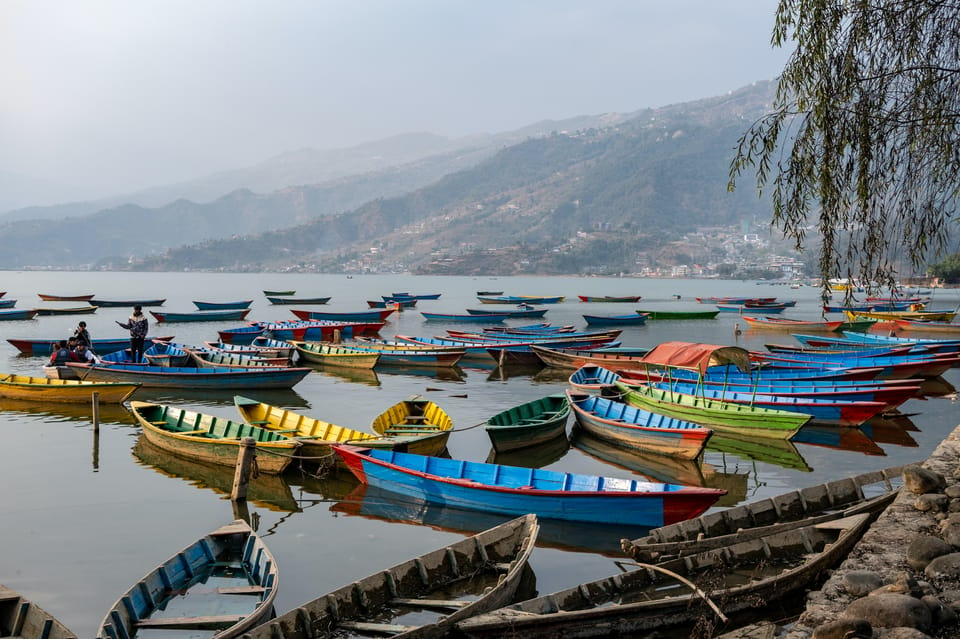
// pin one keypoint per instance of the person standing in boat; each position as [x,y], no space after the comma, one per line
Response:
[138,326]
[83,335]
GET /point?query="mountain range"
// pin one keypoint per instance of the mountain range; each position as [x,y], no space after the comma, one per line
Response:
[553,197]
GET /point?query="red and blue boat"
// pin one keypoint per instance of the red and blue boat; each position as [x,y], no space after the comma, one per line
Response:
[222,306]
[199,378]
[514,490]
[99,346]
[230,314]
[374,315]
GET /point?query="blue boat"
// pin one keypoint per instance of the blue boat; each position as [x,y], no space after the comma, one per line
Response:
[222,306]
[491,318]
[127,303]
[241,334]
[513,490]
[167,354]
[18,314]
[519,299]
[633,319]
[411,296]
[8,303]
[199,378]
[374,315]
[521,311]
[201,316]
[306,301]
[99,346]
[389,302]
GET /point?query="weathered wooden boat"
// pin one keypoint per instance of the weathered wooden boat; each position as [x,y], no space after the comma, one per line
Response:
[279,293]
[228,576]
[23,619]
[434,591]
[517,490]
[720,415]
[46,389]
[18,314]
[838,412]
[631,427]
[202,316]
[524,310]
[241,334]
[216,440]
[411,355]
[207,378]
[592,378]
[44,346]
[841,497]
[222,306]
[316,435]
[281,348]
[935,316]
[211,358]
[127,303]
[487,318]
[327,354]
[529,424]
[373,315]
[65,310]
[393,303]
[573,359]
[784,324]
[279,355]
[610,298]
[64,298]
[166,354]
[305,301]
[519,299]
[635,319]
[928,325]
[653,314]
[738,577]
[414,416]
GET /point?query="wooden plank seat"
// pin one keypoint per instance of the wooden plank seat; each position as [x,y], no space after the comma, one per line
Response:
[376,628]
[210,621]
[409,431]
[431,603]
[191,432]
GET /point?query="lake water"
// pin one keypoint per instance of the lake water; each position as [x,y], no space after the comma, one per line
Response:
[85,517]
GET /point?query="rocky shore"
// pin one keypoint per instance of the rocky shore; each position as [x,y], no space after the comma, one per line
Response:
[902,580]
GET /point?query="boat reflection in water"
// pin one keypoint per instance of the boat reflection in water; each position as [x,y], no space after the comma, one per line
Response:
[937,387]
[439,373]
[375,503]
[286,397]
[365,376]
[265,490]
[514,371]
[891,430]
[62,412]
[534,456]
[849,439]
[661,468]
[780,452]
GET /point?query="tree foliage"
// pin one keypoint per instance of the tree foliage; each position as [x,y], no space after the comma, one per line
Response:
[863,132]
[948,269]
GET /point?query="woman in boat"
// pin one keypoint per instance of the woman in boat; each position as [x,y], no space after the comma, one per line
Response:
[138,326]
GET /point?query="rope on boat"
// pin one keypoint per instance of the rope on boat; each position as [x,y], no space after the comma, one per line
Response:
[683,580]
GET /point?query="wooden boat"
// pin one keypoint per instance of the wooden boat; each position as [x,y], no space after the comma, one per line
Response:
[373,315]
[635,319]
[205,378]
[634,428]
[202,316]
[720,415]
[413,296]
[928,325]
[635,602]
[305,301]
[223,584]
[241,334]
[414,416]
[210,358]
[434,591]
[784,324]
[610,298]
[893,316]
[281,348]
[24,619]
[512,490]
[18,314]
[529,424]
[215,440]
[67,310]
[222,306]
[765,309]
[892,367]
[840,497]
[678,315]
[411,355]
[730,299]
[46,389]
[518,299]
[277,355]
[573,359]
[521,311]
[489,293]
[392,303]
[127,303]
[279,293]
[333,355]
[166,354]
[64,298]
[487,318]
[44,346]
[316,435]
[858,326]
[592,378]
[7,303]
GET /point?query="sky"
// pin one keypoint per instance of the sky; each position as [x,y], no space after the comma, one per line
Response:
[115,95]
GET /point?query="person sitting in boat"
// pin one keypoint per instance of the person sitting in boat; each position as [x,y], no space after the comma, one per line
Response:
[82,334]
[85,355]
[62,354]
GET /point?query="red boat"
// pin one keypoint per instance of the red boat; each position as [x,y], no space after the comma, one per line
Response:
[64,298]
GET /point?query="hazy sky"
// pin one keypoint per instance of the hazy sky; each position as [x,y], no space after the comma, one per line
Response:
[121,94]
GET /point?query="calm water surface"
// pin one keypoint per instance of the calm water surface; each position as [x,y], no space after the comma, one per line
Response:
[86,517]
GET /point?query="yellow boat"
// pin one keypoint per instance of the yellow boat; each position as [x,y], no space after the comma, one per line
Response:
[333,355]
[936,316]
[414,416]
[46,389]
[316,435]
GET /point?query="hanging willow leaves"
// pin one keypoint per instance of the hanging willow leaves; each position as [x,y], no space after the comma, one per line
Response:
[862,139]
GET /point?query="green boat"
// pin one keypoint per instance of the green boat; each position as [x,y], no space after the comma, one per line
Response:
[678,315]
[724,417]
[861,325]
[530,424]
[778,452]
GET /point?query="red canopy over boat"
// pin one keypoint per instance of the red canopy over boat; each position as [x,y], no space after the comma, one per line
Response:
[697,357]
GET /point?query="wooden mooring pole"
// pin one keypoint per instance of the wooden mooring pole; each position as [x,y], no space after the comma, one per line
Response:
[96,411]
[241,477]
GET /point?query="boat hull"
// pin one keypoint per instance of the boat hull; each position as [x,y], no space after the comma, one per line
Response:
[529,424]
[206,378]
[74,391]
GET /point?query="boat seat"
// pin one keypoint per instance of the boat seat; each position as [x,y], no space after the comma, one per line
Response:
[376,628]
[430,603]
[416,418]
[410,431]
[210,621]
[191,432]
